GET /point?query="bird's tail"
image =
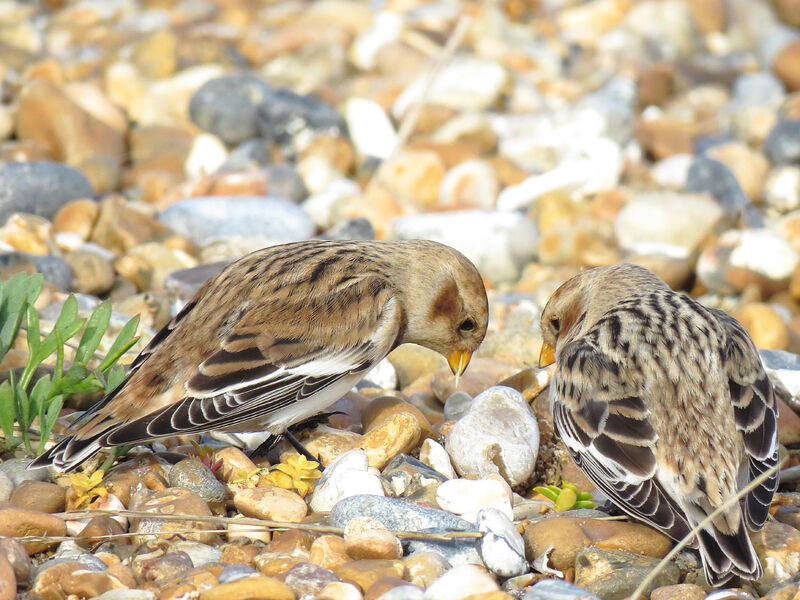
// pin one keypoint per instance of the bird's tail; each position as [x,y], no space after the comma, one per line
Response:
[727,551]
[69,453]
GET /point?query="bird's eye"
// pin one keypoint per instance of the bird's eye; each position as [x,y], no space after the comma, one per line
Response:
[467,325]
[555,324]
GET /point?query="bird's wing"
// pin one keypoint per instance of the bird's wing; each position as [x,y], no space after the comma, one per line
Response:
[604,423]
[755,413]
[261,366]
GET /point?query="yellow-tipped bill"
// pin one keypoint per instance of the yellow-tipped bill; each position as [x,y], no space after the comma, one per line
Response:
[458,361]
[547,356]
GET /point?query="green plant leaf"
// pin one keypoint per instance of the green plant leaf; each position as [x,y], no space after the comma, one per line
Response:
[66,326]
[566,500]
[32,325]
[585,504]
[19,290]
[7,409]
[547,492]
[48,419]
[114,377]
[125,340]
[95,329]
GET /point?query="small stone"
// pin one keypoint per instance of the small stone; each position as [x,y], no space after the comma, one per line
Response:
[39,188]
[466,497]
[777,546]
[411,362]
[615,574]
[552,589]
[92,273]
[160,569]
[370,128]
[206,155]
[16,555]
[306,578]
[395,434]
[72,578]
[423,568]
[366,572]
[367,538]
[18,522]
[199,554]
[339,590]
[499,243]
[344,477]
[39,496]
[328,444]
[273,564]
[708,176]
[148,264]
[679,591]
[782,188]
[77,217]
[126,594]
[668,223]
[27,233]
[782,146]
[409,477]
[227,106]
[235,572]
[435,456]
[465,83]
[197,477]
[785,66]
[460,582]
[8,580]
[250,588]
[501,547]
[329,551]
[765,326]
[413,177]
[470,184]
[172,501]
[743,257]
[121,226]
[270,502]
[265,217]
[748,166]
[234,463]
[498,435]
[564,536]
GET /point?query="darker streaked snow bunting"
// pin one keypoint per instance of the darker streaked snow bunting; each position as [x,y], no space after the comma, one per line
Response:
[665,406]
[280,335]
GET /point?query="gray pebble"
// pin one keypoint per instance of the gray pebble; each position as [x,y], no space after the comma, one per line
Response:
[194,475]
[6,486]
[205,219]
[16,469]
[782,146]
[456,405]
[708,176]
[235,572]
[556,589]
[227,106]
[39,187]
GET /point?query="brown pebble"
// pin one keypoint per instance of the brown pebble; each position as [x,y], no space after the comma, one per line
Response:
[271,502]
[250,588]
[291,541]
[329,551]
[18,522]
[15,553]
[383,585]
[39,495]
[680,591]
[366,572]
[98,526]
[240,555]
[8,580]
[271,563]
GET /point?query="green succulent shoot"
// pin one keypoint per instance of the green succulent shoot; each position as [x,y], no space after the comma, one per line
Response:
[566,497]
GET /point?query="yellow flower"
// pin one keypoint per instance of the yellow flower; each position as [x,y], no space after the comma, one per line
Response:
[297,473]
[87,488]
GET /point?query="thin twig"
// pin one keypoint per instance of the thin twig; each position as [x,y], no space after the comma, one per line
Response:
[639,591]
[265,524]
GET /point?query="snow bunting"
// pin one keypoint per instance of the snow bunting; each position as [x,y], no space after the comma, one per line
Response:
[281,334]
[665,406]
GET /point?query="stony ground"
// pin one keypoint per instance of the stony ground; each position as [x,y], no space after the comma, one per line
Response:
[143,143]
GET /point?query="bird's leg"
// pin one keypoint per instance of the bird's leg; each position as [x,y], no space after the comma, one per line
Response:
[267,445]
[298,446]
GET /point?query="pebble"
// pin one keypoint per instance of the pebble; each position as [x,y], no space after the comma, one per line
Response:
[498,435]
[265,217]
[307,578]
[39,496]
[556,589]
[506,241]
[15,522]
[271,502]
[667,223]
[501,548]
[367,538]
[248,588]
[466,497]
[171,501]
[6,487]
[460,582]
[227,106]
[711,177]
[197,477]
[777,546]
[615,574]
[782,188]
[782,146]
[346,476]
[434,455]
[8,580]
[14,552]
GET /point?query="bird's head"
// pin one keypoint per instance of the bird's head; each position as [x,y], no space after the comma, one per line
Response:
[583,300]
[447,310]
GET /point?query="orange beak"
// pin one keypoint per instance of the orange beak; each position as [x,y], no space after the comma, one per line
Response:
[547,356]
[458,361]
